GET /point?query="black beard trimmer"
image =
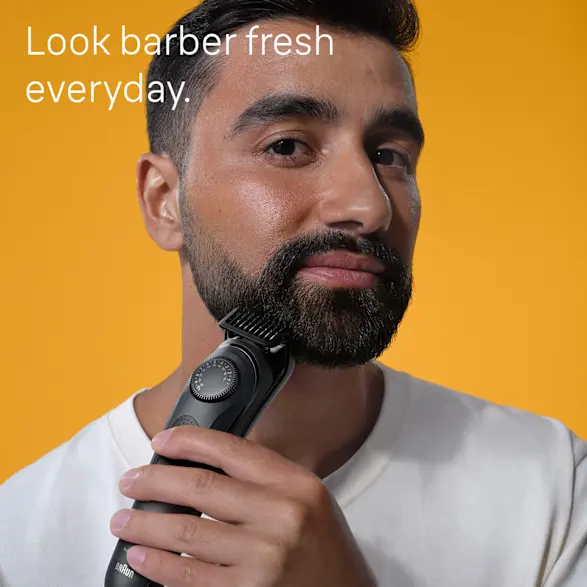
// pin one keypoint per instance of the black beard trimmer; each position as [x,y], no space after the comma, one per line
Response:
[227,392]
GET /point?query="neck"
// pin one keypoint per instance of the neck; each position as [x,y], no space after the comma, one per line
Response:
[319,419]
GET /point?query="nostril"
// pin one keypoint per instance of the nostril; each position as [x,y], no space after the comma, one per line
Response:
[352,226]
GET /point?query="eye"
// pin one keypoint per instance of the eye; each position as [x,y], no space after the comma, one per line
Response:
[284,147]
[391,158]
[289,151]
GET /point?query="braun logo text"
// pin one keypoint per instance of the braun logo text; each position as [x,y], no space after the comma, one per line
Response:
[125,570]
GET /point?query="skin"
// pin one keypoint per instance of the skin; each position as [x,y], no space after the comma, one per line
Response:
[279,526]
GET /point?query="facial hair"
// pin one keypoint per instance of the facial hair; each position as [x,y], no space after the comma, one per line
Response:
[330,327]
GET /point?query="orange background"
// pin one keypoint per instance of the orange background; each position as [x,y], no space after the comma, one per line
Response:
[90,308]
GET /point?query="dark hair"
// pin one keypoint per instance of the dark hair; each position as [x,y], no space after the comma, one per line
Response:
[395,21]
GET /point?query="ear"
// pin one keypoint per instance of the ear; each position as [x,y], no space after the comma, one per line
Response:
[157,191]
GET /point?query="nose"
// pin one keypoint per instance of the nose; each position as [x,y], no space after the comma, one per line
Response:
[353,198]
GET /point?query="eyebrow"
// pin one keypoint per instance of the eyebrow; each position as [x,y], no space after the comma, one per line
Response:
[278,107]
[402,119]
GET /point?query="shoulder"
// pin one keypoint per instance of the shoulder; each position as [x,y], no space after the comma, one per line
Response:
[52,502]
[463,423]
[100,446]
[519,475]
[73,457]
[475,443]
[492,446]
[53,483]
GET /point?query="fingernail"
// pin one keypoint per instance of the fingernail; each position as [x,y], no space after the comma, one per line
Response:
[136,555]
[160,439]
[128,478]
[119,519]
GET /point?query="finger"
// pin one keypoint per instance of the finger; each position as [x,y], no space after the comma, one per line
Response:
[173,570]
[218,496]
[207,540]
[239,457]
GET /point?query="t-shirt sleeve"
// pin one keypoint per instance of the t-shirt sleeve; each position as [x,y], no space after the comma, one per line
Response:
[570,569]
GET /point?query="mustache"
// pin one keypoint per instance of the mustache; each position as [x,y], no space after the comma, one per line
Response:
[289,258]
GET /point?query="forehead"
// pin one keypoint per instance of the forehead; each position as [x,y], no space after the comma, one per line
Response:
[362,73]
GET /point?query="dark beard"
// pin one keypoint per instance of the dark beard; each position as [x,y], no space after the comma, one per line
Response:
[330,327]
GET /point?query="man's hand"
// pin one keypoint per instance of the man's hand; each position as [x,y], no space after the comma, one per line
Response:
[278,526]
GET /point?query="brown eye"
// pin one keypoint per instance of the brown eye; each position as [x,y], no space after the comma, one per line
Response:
[390,158]
[284,147]
[289,152]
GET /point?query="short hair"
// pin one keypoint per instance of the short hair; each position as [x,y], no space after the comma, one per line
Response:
[395,21]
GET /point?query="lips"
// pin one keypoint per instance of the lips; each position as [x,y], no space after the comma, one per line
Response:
[347,261]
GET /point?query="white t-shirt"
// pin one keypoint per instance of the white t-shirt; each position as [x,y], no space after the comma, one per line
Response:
[447,491]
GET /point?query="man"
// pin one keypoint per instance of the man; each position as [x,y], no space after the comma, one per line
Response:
[287,183]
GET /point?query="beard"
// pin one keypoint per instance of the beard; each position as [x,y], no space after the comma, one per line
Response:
[330,327]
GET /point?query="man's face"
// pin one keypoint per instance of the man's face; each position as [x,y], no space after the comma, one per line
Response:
[296,158]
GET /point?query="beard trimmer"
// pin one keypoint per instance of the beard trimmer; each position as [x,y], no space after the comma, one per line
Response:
[227,392]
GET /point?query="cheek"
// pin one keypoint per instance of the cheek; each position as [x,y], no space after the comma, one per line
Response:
[415,215]
[249,214]
[403,230]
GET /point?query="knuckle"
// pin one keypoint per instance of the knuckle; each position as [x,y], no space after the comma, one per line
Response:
[235,445]
[154,561]
[185,572]
[187,529]
[249,576]
[271,553]
[268,560]
[315,492]
[201,481]
[294,516]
